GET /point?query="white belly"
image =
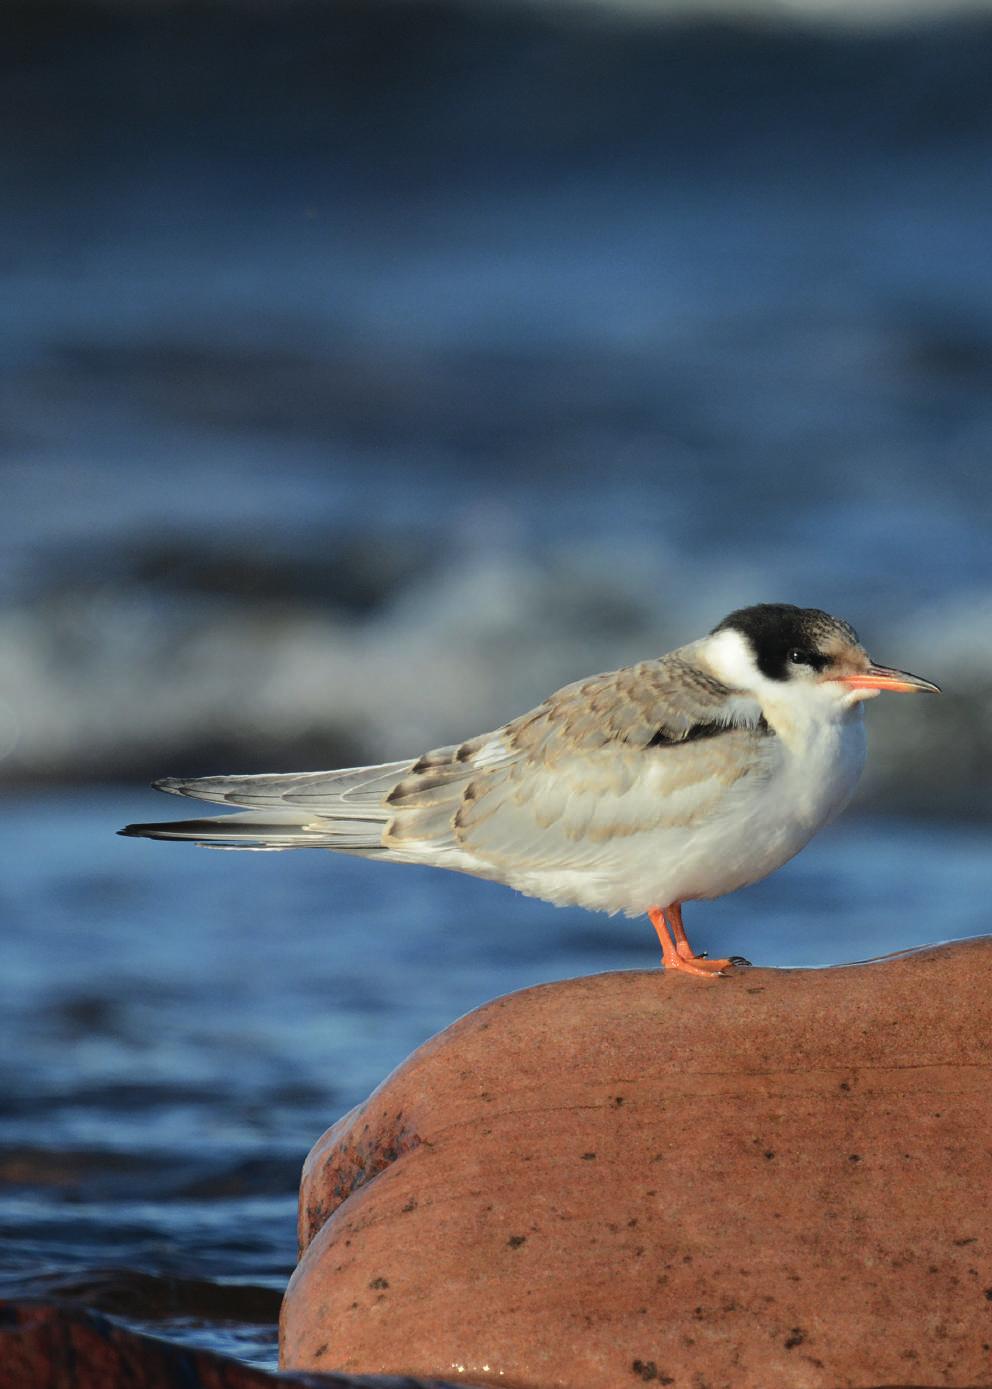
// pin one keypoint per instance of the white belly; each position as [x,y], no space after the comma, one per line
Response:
[761,822]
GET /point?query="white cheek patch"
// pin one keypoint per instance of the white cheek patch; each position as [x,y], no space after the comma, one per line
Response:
[731,659]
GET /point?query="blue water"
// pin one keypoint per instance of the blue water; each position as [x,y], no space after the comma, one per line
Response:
[177,1026]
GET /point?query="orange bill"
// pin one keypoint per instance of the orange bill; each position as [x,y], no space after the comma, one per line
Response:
[883,678]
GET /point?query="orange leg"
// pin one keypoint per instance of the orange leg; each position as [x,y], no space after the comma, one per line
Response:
[673,915]
[679,955]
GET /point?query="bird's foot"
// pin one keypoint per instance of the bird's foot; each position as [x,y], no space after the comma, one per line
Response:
[693,964]
[702,962]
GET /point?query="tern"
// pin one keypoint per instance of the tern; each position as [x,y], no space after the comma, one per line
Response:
[681,778]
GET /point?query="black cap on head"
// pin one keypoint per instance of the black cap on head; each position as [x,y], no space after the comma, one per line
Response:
[777,630]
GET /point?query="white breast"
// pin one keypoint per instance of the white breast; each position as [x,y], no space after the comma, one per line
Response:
[810,780]
[763,820]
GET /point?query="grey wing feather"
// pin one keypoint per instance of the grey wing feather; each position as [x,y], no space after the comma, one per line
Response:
[350,786]
[265,830]
[343,810]
[541,785]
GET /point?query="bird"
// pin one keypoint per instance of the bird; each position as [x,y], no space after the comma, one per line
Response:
[681,778]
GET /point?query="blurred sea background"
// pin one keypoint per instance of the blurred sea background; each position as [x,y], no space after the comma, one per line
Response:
[369,370]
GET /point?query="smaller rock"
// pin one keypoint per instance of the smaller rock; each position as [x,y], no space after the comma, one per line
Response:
[44,1345]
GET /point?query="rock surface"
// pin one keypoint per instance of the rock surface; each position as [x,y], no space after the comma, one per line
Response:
[778,1178]
[48,1346]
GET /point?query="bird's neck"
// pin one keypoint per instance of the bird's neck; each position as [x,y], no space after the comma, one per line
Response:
[802,724]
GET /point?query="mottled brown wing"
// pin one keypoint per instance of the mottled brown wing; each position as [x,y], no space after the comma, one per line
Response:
[610,756]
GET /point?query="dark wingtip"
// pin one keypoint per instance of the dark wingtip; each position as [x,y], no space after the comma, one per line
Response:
[149,831]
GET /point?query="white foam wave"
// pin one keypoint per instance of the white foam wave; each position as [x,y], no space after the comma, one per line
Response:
[850,13]
[105,683]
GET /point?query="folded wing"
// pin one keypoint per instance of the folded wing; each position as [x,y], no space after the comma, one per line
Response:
[616,755]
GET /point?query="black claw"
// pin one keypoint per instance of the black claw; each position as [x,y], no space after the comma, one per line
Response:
[740,960]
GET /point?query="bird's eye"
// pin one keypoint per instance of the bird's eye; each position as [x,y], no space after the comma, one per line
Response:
[799,657]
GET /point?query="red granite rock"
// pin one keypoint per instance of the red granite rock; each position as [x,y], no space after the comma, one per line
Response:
[778,1178]
[50,1346]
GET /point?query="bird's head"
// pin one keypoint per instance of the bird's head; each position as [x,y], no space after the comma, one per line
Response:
[801,658]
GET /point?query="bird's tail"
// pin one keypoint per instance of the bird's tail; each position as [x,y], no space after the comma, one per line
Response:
[344,810]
